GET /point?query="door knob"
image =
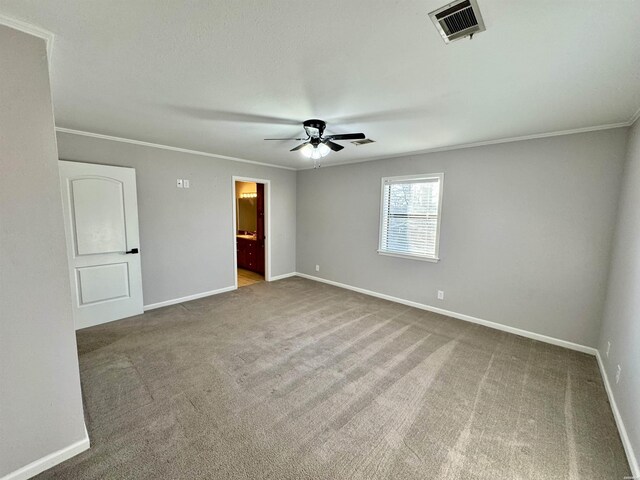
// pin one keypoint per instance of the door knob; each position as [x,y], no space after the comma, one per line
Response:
[133,250]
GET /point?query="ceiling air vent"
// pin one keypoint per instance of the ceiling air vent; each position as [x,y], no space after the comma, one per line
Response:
[457,20]
[364,141]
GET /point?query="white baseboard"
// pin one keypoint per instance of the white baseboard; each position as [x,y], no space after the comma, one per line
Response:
[175,301]
[461,316]
[628,448]
[51,460]
[195,296]
[285,275]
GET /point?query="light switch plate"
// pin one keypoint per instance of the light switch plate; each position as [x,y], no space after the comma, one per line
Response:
[179,183]
[186,183]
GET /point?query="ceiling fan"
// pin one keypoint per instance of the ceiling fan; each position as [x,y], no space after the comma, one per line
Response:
[316,146]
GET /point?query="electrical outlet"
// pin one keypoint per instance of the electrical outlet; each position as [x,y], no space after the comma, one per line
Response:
[179,183]
[317,268]
[618,372]
[440,294]
[608,348]
[186,183]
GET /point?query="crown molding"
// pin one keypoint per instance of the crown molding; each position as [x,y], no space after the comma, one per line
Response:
[31,29]
[166,147]
[488,142]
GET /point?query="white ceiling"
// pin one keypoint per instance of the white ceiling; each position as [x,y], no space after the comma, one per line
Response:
[219,76]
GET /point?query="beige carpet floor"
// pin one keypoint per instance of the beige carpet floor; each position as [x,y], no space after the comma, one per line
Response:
[299,380]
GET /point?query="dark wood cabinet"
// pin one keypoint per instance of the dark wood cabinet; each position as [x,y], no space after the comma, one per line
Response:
[248,256]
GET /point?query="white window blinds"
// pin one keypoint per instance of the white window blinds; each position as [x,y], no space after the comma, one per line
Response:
[410,220]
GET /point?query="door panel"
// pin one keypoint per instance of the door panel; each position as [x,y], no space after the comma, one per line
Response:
[103,282]
[98,215]
[101,224]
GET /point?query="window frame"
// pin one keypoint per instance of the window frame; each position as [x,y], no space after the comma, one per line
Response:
[412,178]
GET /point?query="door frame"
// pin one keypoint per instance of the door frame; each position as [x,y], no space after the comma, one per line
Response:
[267,215]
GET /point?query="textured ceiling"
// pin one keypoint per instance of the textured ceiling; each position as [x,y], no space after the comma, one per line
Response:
[219,76]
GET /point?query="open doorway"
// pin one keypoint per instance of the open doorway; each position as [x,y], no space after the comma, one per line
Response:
[250,222]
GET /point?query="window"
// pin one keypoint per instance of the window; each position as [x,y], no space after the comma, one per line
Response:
[410,216]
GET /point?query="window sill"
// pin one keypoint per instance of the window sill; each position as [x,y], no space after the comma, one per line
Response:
[408,256]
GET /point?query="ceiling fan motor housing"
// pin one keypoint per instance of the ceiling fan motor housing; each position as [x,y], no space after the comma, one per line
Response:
[314,128]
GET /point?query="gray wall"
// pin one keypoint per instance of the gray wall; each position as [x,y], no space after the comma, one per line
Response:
[40,401]
[621,324]
[186,235]
[525,239]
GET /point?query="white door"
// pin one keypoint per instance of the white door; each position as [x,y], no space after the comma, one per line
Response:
[101,224]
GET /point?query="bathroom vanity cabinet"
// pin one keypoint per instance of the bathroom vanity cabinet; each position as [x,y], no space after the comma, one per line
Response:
[249,254]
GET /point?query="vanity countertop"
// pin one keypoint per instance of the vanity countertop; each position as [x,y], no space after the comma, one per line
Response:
[247,237]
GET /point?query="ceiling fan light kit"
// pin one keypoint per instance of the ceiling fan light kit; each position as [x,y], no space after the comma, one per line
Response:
[315,152]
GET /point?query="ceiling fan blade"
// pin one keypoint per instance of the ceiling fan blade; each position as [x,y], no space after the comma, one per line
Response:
[299,146]
[333,146]
[347,136]
[298,139]
[226,116]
